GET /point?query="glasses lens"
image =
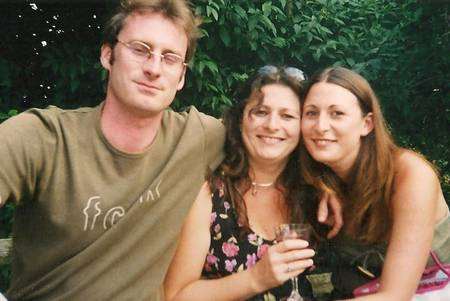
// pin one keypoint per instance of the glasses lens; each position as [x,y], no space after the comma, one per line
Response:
[139,50]
[172,59]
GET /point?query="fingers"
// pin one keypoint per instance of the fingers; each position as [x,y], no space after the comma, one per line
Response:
[322,211]
[295,268]
[282,261]
[336,207]
[291,244]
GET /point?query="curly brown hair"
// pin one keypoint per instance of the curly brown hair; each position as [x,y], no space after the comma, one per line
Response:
[234,170]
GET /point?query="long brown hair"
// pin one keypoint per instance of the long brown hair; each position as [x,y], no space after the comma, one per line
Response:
[367,192]
[234,171]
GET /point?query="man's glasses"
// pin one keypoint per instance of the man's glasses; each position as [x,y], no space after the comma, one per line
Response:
[142,52]
[289,71]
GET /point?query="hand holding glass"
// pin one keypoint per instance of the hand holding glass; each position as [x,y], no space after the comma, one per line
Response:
[293,231]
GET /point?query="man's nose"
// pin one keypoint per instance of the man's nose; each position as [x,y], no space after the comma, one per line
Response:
[153,64]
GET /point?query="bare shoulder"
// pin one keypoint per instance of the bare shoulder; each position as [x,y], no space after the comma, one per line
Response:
[205,194]
[411,164]
[416,185]
[202,206]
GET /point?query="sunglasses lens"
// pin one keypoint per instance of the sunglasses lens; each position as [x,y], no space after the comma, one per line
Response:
[295,73]
[290,71]
[268,69]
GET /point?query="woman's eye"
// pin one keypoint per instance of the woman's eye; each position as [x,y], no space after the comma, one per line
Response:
[259,113]
[310,113]
[337,113]
[287,116]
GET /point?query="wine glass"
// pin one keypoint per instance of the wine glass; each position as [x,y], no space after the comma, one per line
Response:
[293,231]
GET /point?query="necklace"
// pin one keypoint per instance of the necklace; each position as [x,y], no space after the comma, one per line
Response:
[256,185]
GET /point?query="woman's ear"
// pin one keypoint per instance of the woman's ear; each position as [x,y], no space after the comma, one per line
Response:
[368,124]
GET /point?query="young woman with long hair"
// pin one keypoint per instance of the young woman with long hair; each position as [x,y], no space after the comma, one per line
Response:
[391,195]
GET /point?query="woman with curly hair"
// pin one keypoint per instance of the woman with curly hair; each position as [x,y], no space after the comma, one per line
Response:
[227,249]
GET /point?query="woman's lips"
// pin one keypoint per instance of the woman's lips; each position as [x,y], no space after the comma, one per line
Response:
[323,142]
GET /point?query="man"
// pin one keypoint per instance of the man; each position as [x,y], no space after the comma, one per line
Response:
[101,192]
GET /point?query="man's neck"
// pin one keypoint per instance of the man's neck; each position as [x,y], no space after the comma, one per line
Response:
[127,131]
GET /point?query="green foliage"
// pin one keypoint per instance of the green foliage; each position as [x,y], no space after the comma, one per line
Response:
[401,47]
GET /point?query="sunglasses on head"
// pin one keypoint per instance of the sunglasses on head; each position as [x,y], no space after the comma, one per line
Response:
[289,71]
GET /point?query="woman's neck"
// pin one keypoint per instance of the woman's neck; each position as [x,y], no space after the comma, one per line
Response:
[265,173]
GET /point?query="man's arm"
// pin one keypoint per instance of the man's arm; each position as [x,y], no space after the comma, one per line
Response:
[214,140]
[24,140]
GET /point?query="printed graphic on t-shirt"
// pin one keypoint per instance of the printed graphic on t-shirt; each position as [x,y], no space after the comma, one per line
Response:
[93,210]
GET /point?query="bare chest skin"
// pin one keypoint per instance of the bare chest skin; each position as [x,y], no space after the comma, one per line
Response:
[266,210]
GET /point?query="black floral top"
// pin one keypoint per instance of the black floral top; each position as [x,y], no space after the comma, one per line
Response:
[229,252]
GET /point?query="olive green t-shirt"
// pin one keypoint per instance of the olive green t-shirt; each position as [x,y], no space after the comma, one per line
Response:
[92,222]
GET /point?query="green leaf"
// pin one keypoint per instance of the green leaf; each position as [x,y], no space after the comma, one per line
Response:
[316,55]
[267,8]
[212,66]
[269,24]
[225,36]
[350,61]
[241,12]
[212,11]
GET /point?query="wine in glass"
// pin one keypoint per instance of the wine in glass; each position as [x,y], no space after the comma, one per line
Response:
[293,231]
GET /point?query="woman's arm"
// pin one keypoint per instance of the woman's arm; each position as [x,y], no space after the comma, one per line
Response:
[414,210]
[183,280]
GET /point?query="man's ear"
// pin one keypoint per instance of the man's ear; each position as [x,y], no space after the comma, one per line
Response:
[368,124]
[182,79]
[105,56]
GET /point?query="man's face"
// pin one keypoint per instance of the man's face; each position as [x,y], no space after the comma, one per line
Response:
[145,87]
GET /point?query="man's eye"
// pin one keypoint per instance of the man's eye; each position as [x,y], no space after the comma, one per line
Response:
[139,49]
[172,59]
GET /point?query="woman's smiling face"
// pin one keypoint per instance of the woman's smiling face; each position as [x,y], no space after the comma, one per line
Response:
[271,126]
[332,126]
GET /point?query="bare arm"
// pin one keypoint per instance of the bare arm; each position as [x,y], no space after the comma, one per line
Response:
[414,210]
[334,220]
[183,280]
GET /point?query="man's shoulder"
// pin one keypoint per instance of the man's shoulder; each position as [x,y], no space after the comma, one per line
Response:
[193,116]
[50,118]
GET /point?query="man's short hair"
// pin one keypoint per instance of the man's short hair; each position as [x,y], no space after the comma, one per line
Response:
[179,11]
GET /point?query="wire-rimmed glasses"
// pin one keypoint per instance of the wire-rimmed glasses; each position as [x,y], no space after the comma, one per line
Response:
[142,52]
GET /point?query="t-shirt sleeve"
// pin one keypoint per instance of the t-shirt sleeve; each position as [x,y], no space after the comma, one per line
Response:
[23,138]
[214,141]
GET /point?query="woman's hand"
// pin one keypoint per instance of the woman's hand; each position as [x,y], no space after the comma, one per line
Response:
[335,221]
[282,261]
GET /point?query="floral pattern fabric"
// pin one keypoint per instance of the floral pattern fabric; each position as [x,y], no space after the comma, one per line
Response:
[230,252]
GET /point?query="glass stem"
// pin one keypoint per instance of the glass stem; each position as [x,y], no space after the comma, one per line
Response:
[294,284]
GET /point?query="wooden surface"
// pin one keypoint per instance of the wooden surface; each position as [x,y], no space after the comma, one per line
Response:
[5,246]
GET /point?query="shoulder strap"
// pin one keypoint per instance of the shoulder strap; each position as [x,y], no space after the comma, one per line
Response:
[439,263]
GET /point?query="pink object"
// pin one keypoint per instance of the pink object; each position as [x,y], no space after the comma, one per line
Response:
[433,278]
